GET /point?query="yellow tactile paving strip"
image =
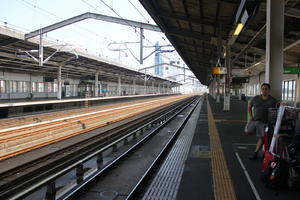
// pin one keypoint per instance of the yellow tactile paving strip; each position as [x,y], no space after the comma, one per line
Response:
[222,185]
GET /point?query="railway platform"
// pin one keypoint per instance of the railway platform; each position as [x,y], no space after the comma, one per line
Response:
[217,166]
[13,107]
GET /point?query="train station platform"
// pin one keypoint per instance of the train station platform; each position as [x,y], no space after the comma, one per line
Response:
[217,166]
[13,107]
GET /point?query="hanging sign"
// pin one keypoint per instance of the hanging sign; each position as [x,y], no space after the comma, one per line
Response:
[219,70]
[291,70]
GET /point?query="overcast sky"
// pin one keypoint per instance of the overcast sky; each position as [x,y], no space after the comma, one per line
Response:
[90,35]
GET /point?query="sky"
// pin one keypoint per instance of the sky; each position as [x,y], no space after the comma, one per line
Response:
[92,36]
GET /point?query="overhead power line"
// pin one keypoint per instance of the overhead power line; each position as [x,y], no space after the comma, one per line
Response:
[91,5]
[139,11]
[115,12]
[34,7]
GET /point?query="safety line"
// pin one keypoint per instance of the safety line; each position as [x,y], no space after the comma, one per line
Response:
[222,184]
[248,177]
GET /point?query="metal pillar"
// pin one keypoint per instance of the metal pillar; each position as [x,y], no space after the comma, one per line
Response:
[96,84]
[100,88]
[218,88]
[30,89]
[119,86]
[213,88]
[298,88]
[41,51]
[152,91]
[167,88]
[134,87]
[158,88]
[59,82]
[227,79]
[274,46]
[141,45]
[145,85]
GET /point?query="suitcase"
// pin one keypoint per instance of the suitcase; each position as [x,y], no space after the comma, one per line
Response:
[276,168]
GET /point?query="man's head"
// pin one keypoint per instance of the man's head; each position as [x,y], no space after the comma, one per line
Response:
[265,89]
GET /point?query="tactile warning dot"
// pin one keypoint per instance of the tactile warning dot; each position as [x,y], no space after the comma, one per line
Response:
[166,183]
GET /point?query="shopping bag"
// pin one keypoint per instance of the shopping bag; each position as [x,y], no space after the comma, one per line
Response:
[250,128]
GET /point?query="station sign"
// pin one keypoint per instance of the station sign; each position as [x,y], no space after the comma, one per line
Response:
[219,70]
[291,70]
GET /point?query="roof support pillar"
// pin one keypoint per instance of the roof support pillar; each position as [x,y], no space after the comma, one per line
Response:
[298,87]
[145,84]
[119,86]
[141,45]
[97,84]
[218,88]
[30,89]
[41,51]
[152,90]
[212,88]
[158,88]
[134,87]
[274,46]
[227,79]
[100,89]
[59,82]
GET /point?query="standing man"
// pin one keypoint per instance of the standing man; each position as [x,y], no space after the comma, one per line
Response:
[259,119]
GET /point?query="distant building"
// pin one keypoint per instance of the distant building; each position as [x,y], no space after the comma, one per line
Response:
[171,71]
[158,70]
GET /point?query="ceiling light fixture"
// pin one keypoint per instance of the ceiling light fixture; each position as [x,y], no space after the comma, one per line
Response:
[238,29]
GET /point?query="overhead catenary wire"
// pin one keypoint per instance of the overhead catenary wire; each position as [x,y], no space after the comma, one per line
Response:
[77,28]
[36,8]
[134,28]
[15,26]
[90,5]
[139,11]
[162,37]
[53,16]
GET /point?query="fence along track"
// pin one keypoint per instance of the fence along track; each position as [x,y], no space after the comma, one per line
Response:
[15,142]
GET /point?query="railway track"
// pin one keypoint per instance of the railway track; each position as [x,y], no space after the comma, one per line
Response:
[52,115]
[46,175]
[17,140]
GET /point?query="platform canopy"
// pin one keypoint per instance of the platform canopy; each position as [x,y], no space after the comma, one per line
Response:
[200,30]
[16,55]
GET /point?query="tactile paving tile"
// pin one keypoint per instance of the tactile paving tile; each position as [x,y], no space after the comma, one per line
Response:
[166,183]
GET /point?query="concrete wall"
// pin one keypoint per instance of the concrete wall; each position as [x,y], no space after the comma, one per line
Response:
[22,77]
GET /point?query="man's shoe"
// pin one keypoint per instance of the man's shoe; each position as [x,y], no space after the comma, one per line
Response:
[254,157]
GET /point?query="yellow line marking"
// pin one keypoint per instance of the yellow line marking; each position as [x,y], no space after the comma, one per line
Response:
[222,184]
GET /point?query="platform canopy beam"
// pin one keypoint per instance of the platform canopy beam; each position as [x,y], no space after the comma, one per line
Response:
[96,16]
